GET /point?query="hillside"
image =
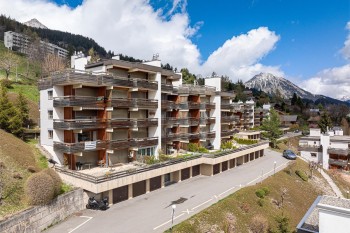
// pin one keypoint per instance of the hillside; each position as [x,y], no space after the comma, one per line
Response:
[16,157]
[239,211]
[71,42]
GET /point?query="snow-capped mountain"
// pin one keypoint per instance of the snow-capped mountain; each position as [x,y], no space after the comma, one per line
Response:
[272,84]
[35,24]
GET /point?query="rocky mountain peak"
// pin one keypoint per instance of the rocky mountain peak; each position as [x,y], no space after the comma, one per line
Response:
[35,24]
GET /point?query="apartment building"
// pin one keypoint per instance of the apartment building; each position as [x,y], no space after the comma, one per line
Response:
[114,112]
[330,149]
[20,42]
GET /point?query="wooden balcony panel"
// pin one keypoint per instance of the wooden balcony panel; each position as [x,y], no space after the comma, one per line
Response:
[194,136]
[338,162]
[209,106]
[338,151]
[147,122]
[226,133]
[145,84]
[193,121]
[78,101]
[71,148]
[167,88]
[79,124]
[121,103]
[145,103]
[144,142]
[194,105]
[309,148]
[166,104]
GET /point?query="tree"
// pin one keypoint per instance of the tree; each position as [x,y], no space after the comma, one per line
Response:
[345,126]
[23,109]
[6,109]
[294,99]
[53,63]
[325,122]
[271,127]
[7,62]
[94,56]
[187,77]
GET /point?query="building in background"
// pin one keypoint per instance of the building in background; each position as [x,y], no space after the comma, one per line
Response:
[21,43]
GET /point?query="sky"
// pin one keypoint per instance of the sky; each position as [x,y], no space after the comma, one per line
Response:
[305,41]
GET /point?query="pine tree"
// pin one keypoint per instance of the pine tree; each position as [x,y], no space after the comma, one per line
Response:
[6,108]
[294,99]
[23,109]
[271,127]
[325,122]
[16,123]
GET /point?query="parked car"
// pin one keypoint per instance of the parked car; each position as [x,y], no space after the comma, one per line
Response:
[288,154]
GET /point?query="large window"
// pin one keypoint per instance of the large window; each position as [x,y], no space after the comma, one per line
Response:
[50,134]
[49,94]
[149,151]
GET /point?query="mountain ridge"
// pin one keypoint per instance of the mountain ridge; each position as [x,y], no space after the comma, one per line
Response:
[35,24]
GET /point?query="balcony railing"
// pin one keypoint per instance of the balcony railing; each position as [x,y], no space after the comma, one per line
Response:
[167,104]
[338,151]
[309,148]
[195,90]
[338,162]
[167,88]
[229,119]
[207,120]
[79,101]
[69,77]
[226,133]
[71,148]
[134,103]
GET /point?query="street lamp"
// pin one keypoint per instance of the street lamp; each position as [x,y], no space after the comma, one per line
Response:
[274,168]
[172,217]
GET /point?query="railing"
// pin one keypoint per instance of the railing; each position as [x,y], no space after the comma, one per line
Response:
[338,151]
[78,77]
[167,104]
[310,148]
[71,148]
[338,162]
[167,88]
[229,119]
[226,133]
[79,101]
[195,90]
[195,105]
[223,153]
[134,103]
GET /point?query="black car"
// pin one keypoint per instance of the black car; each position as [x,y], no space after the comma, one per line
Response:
[288,154]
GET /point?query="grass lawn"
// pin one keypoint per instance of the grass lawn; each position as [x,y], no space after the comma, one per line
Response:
[236,212]
[31,92]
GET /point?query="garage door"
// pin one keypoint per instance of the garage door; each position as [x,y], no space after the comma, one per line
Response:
[196,170]
[139,188]
[155,183]
[216,168]
[224,166]
[120,194]
[185,174]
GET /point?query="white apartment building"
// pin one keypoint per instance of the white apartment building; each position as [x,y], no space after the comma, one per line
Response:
[330,149]
[20,42]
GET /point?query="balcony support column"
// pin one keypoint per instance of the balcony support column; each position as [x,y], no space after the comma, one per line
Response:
[130,191]
[148,184]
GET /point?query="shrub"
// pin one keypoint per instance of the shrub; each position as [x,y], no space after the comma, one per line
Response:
[266,190]
[193,147]
[245,141]
[259,224]
[164,157]
[302,175]
[226,145]
[150,159]
[260,193]
[203,150]
[57,181]
[39,189]
[245,207]
[261,202]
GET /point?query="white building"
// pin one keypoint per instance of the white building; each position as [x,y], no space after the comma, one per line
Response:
[20,42]
[330,149]
[326,215]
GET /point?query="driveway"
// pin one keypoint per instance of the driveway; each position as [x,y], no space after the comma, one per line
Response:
[152,212]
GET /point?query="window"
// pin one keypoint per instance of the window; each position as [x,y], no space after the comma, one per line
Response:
[50,134]
[50,114]
[49,94]
[313,154]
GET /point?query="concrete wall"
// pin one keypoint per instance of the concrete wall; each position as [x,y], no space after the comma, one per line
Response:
[333,219]
[37,218]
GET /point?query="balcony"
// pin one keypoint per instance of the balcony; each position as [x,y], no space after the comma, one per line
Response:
[167,88]
[172,121]
[71,77]
[71,148]
[310,148]
[338,151]
[195,90]
[169,105]
[228,133]
[229,119]
[79,101]
[134,103]
[195,105]
[209,105]
[338,162]
[73,124]
[207,120]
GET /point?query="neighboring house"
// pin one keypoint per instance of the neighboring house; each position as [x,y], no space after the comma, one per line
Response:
[115,112]
[326,215]
[288,120]
[252,135]
[21,43]
[330,149]
[313,121]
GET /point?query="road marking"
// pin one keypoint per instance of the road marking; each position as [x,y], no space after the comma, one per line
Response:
[226,191]
[167,221]
[89,218]
[202,204]
[187,211]
[215,197]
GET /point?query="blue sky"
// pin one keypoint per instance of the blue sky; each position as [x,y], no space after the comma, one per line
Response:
[312,32]
[306,41]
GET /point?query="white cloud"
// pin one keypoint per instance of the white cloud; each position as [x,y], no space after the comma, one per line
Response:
[136,29]
[333,82]
[346,49]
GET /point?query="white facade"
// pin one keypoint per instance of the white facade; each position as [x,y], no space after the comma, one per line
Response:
[333,219]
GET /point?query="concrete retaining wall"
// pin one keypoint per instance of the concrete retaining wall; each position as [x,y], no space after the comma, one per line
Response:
[37,218]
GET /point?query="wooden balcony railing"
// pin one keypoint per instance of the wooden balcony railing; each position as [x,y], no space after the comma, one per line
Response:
[338,162]
[207,120]
[226,133]
[229,119]
[338,151]
[167,88]
[79,101]
[69,77]
[167,104]
[71,148]
[309,148]
[134,103]
[195,90]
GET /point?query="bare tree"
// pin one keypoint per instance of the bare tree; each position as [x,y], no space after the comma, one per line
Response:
[312,167]
[53,63]
[259,224]
[7,62]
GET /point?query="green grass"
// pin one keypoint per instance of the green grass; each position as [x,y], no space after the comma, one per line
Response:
[65,188]
[244,205]
[41,160]
[29,91]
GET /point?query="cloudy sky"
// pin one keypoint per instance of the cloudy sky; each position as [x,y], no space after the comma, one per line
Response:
[305,42]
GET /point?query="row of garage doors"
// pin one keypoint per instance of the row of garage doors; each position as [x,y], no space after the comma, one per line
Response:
[139,188]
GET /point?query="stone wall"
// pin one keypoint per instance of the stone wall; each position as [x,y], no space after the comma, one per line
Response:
[38,218]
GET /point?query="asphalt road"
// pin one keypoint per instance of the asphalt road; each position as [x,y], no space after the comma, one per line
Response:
[152,212]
